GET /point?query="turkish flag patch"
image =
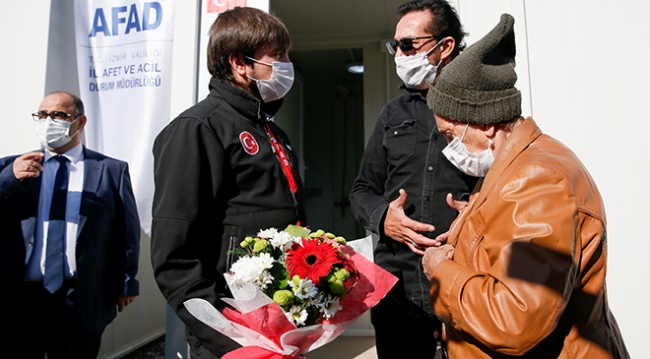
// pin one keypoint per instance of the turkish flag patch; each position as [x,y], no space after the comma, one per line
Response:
[248,142]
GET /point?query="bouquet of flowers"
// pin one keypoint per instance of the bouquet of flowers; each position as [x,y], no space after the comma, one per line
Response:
[294,291]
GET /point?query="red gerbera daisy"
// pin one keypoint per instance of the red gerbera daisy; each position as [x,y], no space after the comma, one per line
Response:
[312,260]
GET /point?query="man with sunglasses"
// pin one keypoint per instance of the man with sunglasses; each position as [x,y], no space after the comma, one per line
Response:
[401,190]
[69,239]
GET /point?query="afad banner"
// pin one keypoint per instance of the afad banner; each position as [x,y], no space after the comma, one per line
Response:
[210,9]
[124,58]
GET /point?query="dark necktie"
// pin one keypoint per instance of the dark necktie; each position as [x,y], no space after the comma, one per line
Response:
[54,251]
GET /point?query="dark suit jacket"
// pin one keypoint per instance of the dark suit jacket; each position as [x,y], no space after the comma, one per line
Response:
[108,239]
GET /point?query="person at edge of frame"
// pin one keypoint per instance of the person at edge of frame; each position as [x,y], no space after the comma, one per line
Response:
[523,271]
[69,239]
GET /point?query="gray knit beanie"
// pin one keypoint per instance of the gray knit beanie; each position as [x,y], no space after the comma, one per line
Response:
[478,86]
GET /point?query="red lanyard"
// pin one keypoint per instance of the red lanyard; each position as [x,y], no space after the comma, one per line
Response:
[284,161]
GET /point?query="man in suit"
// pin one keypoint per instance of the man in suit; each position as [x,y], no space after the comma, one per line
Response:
[69,239]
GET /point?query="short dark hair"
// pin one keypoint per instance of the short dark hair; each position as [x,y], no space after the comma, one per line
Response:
[242,31]
[444,22]
[78,104]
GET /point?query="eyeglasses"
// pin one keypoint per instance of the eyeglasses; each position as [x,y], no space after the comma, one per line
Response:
[56,116]
[405,44]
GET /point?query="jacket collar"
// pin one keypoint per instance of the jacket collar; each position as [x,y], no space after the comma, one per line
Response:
[92,171]
[74,155]
[243,102]
[93,168]
[520,138]
[422,94]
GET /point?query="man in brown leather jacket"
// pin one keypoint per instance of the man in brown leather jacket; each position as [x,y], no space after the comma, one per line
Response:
[523,270]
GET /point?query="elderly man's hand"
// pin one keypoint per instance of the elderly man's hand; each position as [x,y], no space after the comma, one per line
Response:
[28,165]
[434,256]
[401,228]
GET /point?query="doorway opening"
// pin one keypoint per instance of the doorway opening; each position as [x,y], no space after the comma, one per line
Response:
[331,135]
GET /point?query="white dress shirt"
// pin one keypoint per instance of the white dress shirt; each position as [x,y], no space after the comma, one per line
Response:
[36,262]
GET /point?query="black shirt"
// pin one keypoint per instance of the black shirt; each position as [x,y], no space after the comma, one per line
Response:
[405,151]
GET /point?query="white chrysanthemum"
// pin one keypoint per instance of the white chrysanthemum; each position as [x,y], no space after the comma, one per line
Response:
[265,279]
[253,270]
[296,315]
[329,307]
[283,240]
[267,233]
[305,289]
[266,260]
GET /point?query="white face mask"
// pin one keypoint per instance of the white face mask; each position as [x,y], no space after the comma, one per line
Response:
[473,164]
[55,134]
[415,70]
[280,82]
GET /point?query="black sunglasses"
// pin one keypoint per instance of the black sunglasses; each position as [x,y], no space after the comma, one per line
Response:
[405,44]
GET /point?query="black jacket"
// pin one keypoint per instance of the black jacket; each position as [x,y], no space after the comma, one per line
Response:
[211,192]
[404,151]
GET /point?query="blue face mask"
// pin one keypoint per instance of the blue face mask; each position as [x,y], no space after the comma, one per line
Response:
[470,163]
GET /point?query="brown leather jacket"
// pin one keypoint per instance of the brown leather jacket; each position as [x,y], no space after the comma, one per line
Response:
[528,275]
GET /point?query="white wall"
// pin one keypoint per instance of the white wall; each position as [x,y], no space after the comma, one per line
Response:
[24,60]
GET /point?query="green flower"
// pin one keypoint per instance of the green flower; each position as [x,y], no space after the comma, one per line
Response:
[260,245]
[330,235]
[246,242]
[337,287]
[319,233]
[340,240]
[342,274]
[335,281]
[283,297]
